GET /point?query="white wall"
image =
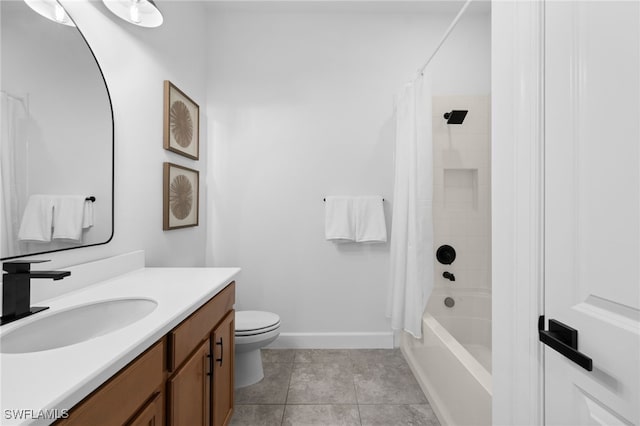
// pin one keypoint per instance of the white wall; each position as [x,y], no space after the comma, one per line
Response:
[300,105]
[135,62]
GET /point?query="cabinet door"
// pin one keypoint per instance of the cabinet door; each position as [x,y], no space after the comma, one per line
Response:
[151,414]
[189,390]
[123,395]
[223,349]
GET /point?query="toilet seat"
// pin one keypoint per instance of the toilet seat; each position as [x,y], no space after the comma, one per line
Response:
[251,323]
[260,331]
[255,341]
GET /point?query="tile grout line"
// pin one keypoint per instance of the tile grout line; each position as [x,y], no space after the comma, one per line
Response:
[355,388]
[286,398]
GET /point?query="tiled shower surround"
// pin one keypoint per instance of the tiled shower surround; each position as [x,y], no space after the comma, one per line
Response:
[462,191]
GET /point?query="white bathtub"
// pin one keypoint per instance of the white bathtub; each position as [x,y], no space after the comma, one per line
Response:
[452,361]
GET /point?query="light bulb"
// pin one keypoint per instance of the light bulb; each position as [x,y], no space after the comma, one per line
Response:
[59,13]
[51,10]
[134,12]
[144,13]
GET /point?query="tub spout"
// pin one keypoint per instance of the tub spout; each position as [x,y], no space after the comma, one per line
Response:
[449,276]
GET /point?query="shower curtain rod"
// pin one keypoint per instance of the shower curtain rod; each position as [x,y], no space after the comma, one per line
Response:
[445,36]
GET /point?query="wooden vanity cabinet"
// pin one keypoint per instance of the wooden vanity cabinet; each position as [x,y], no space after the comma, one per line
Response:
[189,390]
[223,350]
[200,383]
[185,379]
[152,414]
[120,398]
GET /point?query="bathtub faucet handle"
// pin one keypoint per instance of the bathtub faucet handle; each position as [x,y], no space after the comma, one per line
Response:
[449,276]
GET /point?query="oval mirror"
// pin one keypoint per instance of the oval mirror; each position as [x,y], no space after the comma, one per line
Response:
[56,141]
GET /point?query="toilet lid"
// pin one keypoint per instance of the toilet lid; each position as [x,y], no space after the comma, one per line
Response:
[252,321]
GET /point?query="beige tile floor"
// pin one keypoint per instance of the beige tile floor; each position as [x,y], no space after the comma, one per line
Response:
[326,387]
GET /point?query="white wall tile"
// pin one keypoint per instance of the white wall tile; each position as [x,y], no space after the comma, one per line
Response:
[462,192]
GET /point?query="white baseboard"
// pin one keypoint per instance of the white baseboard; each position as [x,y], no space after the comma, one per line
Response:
[362,340]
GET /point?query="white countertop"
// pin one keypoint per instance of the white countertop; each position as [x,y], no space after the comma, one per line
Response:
[60,378]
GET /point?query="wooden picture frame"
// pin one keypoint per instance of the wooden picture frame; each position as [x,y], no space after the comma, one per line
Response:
[181,122]
[181,197]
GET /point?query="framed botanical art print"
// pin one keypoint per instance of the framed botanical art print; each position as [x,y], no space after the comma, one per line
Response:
[181,122]
[180,197]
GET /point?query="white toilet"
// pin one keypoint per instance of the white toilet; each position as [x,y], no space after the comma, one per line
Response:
[254,330]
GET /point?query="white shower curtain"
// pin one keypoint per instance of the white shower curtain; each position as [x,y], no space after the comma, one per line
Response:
[13,116]
[411,277]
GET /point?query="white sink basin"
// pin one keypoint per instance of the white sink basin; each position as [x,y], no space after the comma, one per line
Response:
[75,325]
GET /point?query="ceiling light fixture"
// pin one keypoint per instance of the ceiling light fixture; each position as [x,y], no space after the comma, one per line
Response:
[144,13]
[51,10]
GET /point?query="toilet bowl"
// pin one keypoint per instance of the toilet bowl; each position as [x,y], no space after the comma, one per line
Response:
[254,330]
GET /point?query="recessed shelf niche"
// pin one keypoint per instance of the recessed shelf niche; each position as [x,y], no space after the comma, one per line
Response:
[460,189]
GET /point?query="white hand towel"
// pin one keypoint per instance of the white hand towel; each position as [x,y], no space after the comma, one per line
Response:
[87,215]
[338,218]
[369,219]
[68,212]
[37,219]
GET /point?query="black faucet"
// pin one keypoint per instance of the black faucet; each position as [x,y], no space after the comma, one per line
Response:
[16,289]
[449,276]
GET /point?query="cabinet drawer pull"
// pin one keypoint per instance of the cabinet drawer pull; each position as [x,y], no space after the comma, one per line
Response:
[221,352]
[210,373]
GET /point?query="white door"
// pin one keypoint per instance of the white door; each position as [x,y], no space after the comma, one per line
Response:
[592,209]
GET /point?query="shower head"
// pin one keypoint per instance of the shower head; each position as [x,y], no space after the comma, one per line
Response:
[455,116]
